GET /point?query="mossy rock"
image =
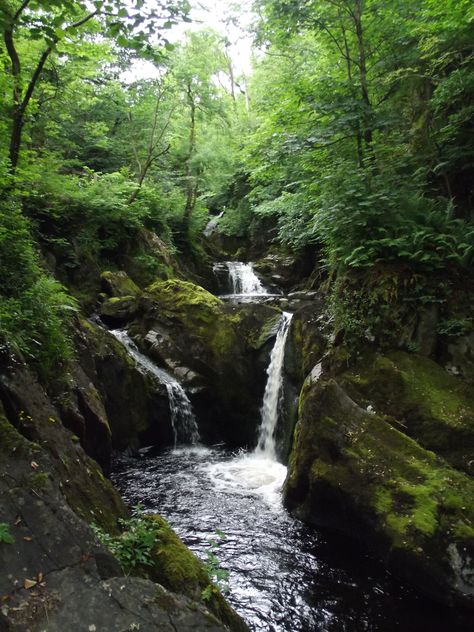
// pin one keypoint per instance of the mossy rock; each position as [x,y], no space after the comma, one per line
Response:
[306,344]
[119,310]
[218,343]
[115,375]
[176,568]
[256,322]
[199,312]
[118,284]
[429,404]
[352,470]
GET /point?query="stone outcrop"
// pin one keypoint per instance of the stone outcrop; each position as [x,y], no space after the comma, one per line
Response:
[363,462]
[55,574]
[219,352]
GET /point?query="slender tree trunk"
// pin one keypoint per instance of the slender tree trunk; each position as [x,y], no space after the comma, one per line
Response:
[21,101]
[191,185]
[350,81]
[364,87]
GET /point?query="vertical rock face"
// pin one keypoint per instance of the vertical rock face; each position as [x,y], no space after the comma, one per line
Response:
[137,407]
[354,467]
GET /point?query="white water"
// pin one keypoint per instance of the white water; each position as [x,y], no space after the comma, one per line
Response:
[273,389]
[183,421]
[244,280]
[259,473]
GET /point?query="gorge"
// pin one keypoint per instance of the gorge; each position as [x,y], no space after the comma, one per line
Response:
[236,325]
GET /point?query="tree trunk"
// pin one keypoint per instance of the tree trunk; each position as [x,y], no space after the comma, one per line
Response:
[191,185]
[364,88]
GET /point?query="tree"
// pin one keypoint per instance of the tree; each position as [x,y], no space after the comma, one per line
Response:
[51,22]
[195,67]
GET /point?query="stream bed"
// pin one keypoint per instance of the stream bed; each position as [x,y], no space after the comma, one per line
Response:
[284,576]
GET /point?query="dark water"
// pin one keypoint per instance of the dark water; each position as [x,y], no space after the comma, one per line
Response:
[284,576]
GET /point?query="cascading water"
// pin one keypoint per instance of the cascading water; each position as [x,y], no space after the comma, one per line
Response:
[243,279]
[284,576]
[272,397]
[183,421]
[238,281]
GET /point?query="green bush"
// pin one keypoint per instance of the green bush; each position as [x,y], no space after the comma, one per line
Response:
[364,219]
[34,308]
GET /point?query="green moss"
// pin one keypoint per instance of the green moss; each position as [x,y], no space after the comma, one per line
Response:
[176,568]
[200,313]
[38,481]
[430,405]
[175,294]
[11,440]
[414,496]
[119,284]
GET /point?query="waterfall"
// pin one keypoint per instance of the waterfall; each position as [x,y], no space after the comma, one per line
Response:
[183,421]
[243,278]
[272,397]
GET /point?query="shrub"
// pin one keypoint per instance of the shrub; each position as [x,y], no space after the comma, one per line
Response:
[34,308]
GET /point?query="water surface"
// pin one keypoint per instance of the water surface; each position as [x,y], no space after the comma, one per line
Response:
[284,576]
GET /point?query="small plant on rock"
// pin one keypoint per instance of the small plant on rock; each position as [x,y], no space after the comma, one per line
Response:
[5,535]
[134,546]
[218,575]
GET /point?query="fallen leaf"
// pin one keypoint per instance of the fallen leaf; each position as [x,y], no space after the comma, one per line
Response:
[29,583]
[17,521]
[27,538]
[40,577]
[34,465]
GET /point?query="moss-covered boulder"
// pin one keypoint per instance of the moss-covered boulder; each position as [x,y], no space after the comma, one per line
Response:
[354,470]
[118,283]
[119,310]
[176,568]
[224,348]
[427,403]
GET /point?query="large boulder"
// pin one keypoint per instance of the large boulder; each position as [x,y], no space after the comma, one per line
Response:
[427,403]
[355,469]
[118,283]
[221,351]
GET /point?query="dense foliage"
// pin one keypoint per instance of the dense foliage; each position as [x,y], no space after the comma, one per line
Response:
[354,137]
[363,147]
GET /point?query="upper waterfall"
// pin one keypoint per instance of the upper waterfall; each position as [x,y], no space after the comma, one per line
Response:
[243,278]
[240,279]
[183,421]
[273,390]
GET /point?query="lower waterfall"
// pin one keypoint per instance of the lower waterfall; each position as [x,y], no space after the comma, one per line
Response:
[273,389]
[183,420]
[283,576]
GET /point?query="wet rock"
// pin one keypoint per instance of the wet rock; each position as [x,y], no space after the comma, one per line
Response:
[85,488]
[286,270]
[222,345]
[143,419]
[353,469]
[457,356]
[427,403]
[118,311]
[58,577]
